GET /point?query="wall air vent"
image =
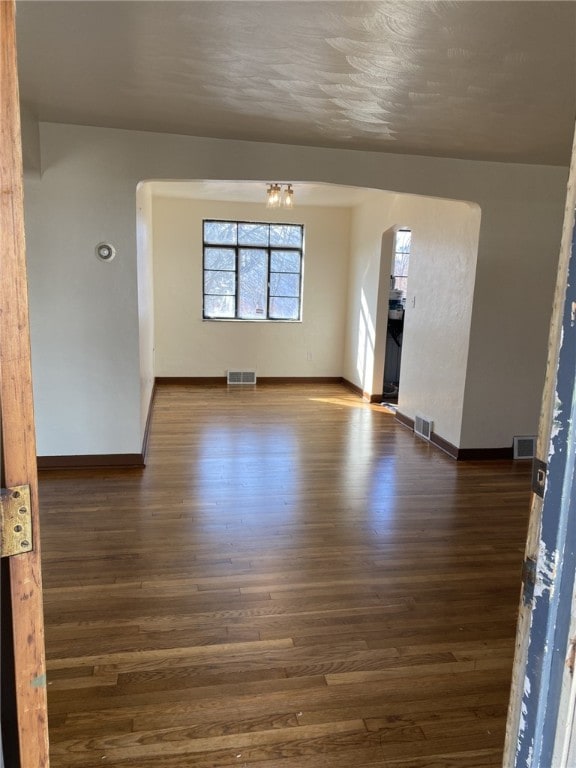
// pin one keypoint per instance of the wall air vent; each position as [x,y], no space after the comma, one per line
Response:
[241,377]
[423,426]
[525,447]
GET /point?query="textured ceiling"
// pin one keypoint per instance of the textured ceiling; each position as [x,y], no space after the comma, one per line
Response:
[480,80]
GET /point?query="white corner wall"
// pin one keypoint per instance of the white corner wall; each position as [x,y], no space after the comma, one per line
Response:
[438,307]
[187,345]
[145,278]
[513,296]
[84,314]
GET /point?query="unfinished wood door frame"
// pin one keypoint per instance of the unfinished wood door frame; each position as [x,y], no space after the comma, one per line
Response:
[535,716]
[18,437]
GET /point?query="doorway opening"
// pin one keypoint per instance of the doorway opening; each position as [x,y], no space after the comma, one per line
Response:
[396,309]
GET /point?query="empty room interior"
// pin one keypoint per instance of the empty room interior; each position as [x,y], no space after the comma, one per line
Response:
[291,272]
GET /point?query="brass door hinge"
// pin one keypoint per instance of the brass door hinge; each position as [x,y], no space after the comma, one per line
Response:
[15,520]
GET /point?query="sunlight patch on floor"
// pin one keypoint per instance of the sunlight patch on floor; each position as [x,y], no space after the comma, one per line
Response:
[351,404]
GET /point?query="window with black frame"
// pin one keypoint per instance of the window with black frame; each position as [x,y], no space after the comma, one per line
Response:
[252,270]
[402,245]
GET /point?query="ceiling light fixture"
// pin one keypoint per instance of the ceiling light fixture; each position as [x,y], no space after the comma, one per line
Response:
[276,197]
[273,196]
[288,197]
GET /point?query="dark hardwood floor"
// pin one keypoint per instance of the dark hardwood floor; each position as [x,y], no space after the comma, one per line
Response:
[294,581]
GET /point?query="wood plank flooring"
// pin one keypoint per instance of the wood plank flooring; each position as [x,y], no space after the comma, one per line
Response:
[294,581]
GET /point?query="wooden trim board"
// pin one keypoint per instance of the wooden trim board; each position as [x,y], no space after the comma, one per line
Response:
[19,441]
[444,445]
[299,380]
[460,454]
[191,380]
[92,461]
[356,389]
[485,454]
[406,421]
[221,380]
[104,460]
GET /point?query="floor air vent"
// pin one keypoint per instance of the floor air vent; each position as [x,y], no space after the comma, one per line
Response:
[423,426]
[524,447]
[241,377]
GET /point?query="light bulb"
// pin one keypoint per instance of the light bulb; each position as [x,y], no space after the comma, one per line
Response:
[288,197]
[273,196]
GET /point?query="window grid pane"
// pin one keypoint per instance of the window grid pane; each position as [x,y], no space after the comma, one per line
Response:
[221,232]
[284,284]
[218,283]
[253,234]
[286,234]
[220,306]
[252,283]
[285,261]
[220,258]
[402,253]
[282,308]
[252,270]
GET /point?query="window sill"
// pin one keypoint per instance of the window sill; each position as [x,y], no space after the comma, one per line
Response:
[238,320]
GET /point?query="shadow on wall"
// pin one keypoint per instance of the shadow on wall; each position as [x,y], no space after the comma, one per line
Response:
[372,323]
[366,344]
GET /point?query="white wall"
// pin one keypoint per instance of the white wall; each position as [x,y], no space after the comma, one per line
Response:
[144,242]
[30,130]
[513,298]
[440,284]
[186,345]
[84,314]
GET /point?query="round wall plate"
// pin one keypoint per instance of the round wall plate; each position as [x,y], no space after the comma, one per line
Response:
[105,251]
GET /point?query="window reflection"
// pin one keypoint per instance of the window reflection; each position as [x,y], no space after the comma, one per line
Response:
[244,472]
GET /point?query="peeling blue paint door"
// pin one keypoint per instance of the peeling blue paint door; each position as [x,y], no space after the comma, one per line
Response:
[542,667]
